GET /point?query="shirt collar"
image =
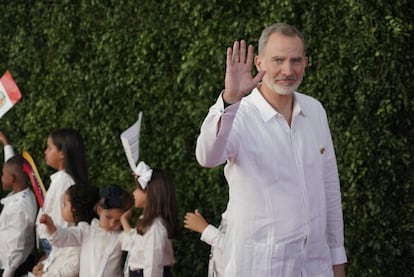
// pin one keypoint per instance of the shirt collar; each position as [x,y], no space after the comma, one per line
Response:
[266,110]
[12,197]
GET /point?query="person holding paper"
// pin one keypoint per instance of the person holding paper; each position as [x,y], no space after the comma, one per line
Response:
[149,243]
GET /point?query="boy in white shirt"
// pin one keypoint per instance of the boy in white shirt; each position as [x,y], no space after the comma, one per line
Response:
[16,219]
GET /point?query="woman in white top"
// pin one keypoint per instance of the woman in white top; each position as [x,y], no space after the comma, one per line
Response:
[100,254]
[149,245]
[65,152]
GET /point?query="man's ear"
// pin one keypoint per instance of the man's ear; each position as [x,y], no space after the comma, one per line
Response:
[257,62]
[13,178]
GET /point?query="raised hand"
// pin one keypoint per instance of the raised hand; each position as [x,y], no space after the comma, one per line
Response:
[48,221]
[239,80]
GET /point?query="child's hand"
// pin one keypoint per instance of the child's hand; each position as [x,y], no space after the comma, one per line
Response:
[48,221]
[125,217]
[38,270]
[195,222]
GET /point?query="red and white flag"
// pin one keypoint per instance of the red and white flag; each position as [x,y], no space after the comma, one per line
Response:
[9,93]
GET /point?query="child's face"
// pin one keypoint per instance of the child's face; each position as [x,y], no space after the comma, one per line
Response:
[140,197]
[110,219]
[67,211]
[54,157]
[7,179]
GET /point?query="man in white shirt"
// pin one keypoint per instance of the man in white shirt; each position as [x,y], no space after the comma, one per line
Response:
[284,216]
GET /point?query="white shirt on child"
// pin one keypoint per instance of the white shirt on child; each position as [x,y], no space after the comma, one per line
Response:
[151,251]
[62,262]
[53,201]
[284,210]
[16,229]
[214,237]
[100,249]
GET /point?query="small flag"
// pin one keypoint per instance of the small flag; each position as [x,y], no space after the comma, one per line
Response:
[30,168]
[9,93]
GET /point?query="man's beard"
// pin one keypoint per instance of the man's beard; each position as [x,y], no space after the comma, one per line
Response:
[281,90]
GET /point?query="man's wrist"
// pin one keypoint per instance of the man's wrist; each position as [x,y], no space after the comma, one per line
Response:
[226,104]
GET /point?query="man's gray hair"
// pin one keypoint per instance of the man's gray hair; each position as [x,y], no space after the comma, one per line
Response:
[282,28]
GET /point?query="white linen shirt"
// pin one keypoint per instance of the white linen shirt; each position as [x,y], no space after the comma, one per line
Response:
[16,229]
[284,211]
[53,201]
[95,243]
[151,251]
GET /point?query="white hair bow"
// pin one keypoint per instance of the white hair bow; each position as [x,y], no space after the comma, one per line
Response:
[144,173]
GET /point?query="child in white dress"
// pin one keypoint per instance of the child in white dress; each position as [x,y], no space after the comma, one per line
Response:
[65,152]
[78,206]
[100,254]
[149,245]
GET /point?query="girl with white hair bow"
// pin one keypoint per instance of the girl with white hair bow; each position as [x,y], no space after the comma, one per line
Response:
[149,244]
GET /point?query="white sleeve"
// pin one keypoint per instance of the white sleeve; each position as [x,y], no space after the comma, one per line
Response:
[214,134]
[212,236]
[69,236]
[335,225]
[8,152]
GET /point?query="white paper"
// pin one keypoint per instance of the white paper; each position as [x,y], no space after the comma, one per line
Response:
[130,142]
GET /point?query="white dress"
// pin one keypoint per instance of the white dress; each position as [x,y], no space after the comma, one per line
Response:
[100,254]
[62,262]
[151,251]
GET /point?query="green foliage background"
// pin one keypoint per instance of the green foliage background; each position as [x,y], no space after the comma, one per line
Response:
[93,65]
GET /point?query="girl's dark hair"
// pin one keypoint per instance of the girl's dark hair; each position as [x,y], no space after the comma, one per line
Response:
[71,143]
[115,197]
[83,199]
[160,202]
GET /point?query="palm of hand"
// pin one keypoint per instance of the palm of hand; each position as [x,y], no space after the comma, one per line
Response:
[239,80]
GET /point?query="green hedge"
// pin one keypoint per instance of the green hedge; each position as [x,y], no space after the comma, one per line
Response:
[94,65]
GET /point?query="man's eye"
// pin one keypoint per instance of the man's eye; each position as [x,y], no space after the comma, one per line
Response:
[297,61]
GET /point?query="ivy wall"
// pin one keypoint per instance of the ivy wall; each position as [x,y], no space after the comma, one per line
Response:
[93,65]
